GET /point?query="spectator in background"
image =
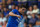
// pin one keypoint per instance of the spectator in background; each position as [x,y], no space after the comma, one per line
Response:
[3,1]
[8,1]
[3,19]
[0,14]
[25,24]
[5,12]
[33,20]
[13,7]
[9,7]
[0,1]
[38,21]
[35,9]
[1,24]
[16,7]
[26,21]
[0,20]
[8,4]
[1,10]
[29,12]
[4,25]
[0,7]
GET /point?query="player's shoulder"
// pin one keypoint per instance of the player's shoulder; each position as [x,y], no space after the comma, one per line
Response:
[15,9]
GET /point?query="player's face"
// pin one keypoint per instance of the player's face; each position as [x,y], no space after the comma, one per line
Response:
[23,10]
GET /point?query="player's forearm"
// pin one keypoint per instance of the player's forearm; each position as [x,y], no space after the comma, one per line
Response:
[12,14]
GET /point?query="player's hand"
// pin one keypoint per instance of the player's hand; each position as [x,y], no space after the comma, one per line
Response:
[18,16]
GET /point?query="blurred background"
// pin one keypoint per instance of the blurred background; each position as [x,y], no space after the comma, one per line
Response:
[31,15]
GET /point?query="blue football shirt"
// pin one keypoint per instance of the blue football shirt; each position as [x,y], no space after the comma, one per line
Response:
[13,20]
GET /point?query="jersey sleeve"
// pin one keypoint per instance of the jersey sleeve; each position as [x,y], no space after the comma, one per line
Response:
[14,11]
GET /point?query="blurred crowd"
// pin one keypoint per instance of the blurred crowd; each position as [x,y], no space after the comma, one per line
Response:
[31,17]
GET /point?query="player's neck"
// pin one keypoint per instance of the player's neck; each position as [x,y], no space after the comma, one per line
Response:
[19,11]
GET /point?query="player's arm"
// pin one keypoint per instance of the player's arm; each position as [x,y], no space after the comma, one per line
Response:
[12,14]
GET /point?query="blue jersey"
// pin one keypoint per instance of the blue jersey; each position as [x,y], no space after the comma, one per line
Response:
[13,20]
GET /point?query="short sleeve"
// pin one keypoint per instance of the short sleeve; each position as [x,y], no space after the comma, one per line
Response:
[14,11]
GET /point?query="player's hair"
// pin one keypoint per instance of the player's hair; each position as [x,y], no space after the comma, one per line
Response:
[20,6]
